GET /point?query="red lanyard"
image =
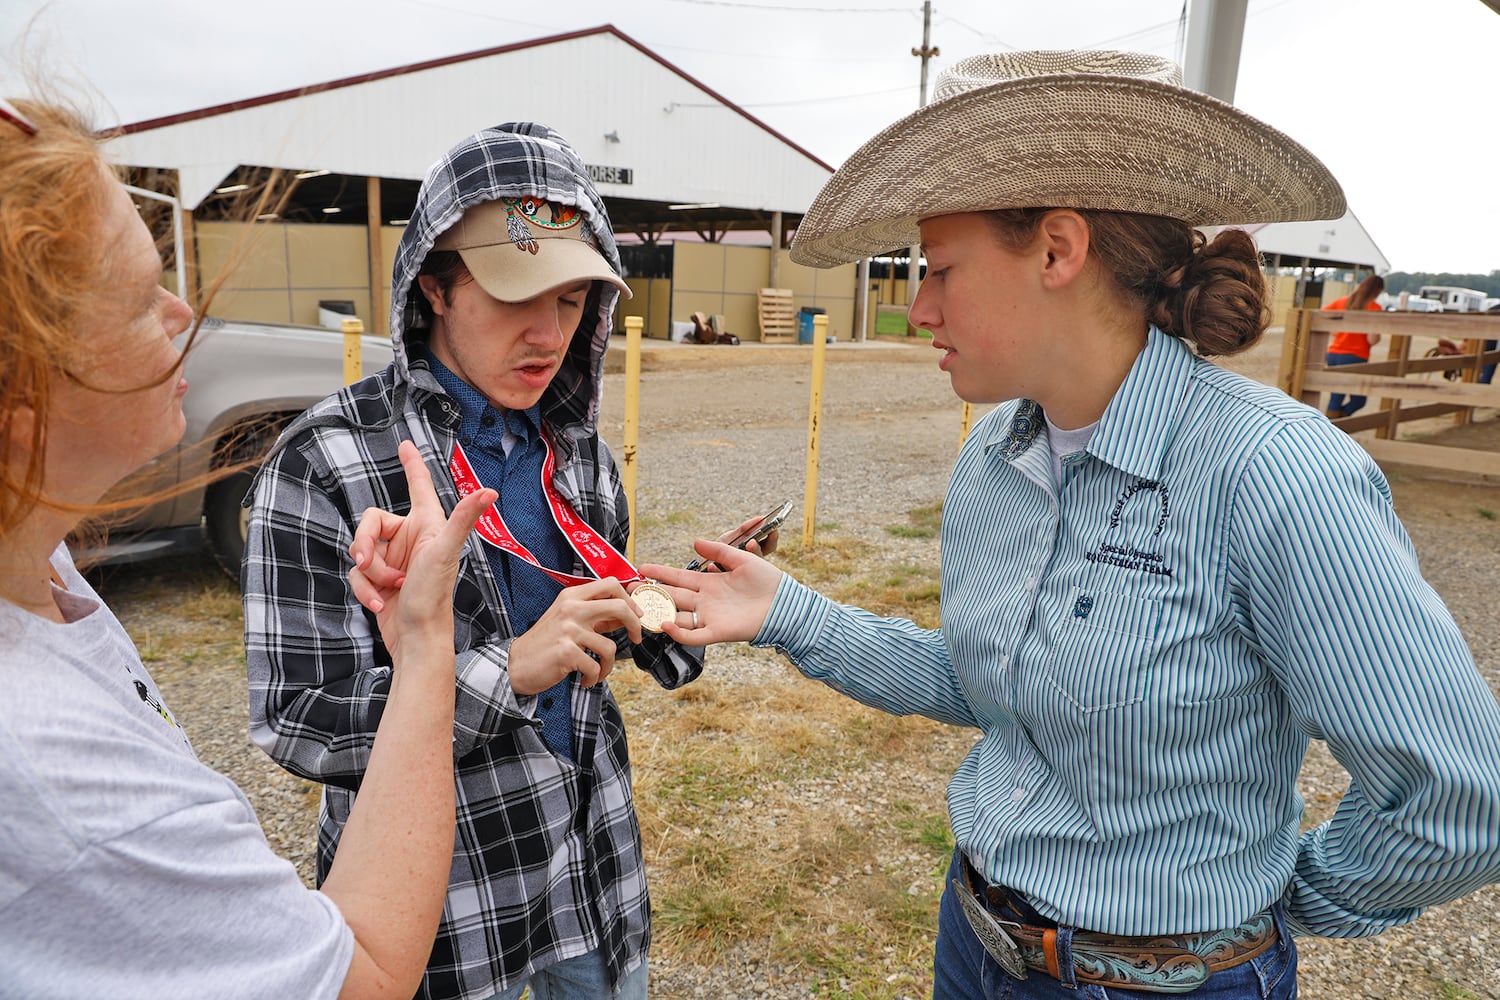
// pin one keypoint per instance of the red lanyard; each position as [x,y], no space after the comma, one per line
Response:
[597,554]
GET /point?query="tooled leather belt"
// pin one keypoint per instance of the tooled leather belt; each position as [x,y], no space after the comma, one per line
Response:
[1156,964]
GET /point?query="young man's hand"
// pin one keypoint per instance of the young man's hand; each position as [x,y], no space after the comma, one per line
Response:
[570,637]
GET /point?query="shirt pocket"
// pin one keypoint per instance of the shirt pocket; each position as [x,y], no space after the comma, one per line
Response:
[1101,658]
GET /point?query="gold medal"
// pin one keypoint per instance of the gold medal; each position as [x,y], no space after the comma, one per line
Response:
[656,605]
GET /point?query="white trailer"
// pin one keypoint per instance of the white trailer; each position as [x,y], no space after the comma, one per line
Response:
[1454,299]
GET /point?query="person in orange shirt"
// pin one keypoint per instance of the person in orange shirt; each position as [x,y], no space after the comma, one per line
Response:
[1347,348]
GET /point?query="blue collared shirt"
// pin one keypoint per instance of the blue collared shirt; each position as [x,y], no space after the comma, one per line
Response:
[1148,648]
[506,450]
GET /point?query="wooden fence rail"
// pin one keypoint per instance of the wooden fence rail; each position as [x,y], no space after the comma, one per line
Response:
[1411,383]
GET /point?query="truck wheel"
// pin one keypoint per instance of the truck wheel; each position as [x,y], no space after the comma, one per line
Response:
[225,520]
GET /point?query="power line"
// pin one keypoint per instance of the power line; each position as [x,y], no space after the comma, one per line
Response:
[1134,34]
[762,55]
[1283,3]
[1177,22]
[478,13]
[949,18]
[799,10]
[782,104]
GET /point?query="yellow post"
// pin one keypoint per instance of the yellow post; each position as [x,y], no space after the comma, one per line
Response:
[632,420]
[354,357]
[968,422]
[814,430]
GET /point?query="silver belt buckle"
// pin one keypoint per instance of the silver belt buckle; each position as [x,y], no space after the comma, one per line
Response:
[1000,945]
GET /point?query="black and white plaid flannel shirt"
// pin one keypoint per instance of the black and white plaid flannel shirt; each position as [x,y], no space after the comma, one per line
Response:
[547,856]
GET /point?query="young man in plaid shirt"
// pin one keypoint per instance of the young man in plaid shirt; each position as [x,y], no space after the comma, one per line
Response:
[503,289]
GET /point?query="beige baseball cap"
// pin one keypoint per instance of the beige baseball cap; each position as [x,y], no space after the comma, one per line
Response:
[518,248]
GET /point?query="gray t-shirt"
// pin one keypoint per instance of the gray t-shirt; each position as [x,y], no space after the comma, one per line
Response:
[128,868]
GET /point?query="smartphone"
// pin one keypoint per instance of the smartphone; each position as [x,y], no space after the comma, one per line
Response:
[757,532]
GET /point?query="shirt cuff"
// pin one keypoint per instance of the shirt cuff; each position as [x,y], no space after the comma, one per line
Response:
[796,620]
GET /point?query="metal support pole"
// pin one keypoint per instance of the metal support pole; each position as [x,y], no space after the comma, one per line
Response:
[861,299]
[925,53]
[775,275]
[1216,30]
[179,250]
[628,461]
[814,430]
[379,322]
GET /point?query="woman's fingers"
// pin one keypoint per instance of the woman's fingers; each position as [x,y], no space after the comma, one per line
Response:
[729,606]
[687,636]
[749,524]
[366,592]
[418,479]
[384,542]
[683,584]
[469,510]
[765,546]
[727,556]
[368,549]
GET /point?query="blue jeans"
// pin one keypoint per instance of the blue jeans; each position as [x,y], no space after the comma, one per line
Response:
[581,978]
[1339,403]
[963,970]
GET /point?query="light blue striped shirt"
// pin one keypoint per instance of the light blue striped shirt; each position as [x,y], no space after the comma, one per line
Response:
[1148,650]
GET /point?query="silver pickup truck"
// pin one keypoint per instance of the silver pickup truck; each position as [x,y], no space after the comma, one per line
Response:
[246,381]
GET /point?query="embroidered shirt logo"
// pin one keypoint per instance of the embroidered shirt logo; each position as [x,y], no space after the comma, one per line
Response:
[1135,526]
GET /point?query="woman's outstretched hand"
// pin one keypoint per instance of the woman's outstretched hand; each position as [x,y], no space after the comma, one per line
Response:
[405,567]
[727,606]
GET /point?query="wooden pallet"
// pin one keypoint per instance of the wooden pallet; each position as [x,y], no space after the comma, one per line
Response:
[778,319]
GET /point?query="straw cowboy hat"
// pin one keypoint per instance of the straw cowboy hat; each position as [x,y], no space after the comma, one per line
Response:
[1115,131]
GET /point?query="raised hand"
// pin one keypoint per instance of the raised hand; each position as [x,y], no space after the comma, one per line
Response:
[405,567]
[726,606]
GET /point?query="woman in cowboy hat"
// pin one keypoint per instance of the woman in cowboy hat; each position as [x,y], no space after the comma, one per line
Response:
[1135,611]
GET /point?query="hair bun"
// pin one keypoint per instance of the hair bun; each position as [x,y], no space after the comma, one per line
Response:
[1218,296]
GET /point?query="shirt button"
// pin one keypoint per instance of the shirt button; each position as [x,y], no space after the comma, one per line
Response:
[466,441]
[547,704]
[1017,794]
[1004,661]
[1030,583]
[488,420]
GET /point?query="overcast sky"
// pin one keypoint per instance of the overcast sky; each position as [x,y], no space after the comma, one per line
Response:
[1396,97]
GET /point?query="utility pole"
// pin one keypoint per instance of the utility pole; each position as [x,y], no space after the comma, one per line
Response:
[926,52]
[1216,30]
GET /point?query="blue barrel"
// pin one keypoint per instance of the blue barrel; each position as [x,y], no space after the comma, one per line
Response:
[805,323]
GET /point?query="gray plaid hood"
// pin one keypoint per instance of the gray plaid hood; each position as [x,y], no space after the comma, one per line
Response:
[511,161]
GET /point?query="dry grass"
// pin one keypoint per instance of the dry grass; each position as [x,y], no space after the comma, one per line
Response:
[184,615]
[777,815]
[780,815]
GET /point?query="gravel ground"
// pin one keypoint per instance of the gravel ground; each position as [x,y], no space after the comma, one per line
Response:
[724,435]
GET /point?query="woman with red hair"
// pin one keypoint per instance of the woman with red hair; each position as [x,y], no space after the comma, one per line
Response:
[129,868]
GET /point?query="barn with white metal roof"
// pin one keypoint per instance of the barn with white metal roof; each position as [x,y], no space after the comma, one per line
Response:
[669,155]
